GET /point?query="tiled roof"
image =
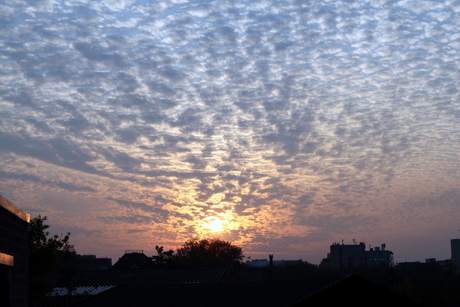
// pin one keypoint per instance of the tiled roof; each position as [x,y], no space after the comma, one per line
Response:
[85,284]
[191,275]
[268,293]
[88,290]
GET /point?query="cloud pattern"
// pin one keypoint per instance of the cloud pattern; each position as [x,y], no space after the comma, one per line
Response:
[296,122]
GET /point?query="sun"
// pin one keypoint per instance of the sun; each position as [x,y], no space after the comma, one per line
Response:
[214,224]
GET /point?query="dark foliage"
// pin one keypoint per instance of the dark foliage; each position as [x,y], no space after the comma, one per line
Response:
[200,252]
[46,255]
[164,259]
[429,284]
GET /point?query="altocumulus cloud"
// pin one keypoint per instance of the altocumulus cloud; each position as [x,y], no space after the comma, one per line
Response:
[320,119]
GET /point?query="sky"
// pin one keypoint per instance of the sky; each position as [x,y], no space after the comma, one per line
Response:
[281,126]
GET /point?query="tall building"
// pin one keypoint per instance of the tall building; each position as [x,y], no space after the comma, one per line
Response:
[348,256]
[14,255]
[455,251]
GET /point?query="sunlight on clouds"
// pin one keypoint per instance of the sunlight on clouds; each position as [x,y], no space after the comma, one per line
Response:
[214,224]
[216,199]
[224,225]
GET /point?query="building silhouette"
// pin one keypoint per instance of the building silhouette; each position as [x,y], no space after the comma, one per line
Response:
[345,291]
[92,263]
[262,263]
[133,259]
[14,255]
[455,252]
[349,256]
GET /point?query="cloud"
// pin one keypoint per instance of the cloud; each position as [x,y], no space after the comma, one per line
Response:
[127,219]
[22,98]
[49,183]
[94,52]
[308,115]
[159,213]
[56,151]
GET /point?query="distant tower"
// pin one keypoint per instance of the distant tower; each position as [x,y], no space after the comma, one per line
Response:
[455,250]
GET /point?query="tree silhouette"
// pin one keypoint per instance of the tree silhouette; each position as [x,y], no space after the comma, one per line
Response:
[164,259]
[200,252]
[46,254]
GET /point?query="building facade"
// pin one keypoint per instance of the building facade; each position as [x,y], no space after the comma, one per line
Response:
[14,255]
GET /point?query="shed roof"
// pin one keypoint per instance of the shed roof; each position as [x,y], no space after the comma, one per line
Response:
[357,290]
